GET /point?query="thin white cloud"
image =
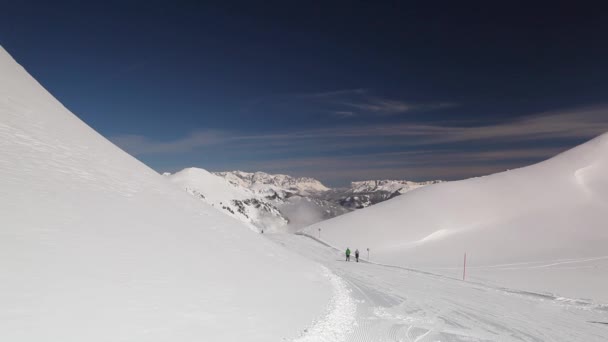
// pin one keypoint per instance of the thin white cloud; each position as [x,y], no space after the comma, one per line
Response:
[335,93]
[344,113]
[424,151]
[379,105]
[579,123]
[140,145]
[361,100]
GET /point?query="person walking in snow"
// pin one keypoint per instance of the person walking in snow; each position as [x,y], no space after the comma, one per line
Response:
[347,254]
[357,255]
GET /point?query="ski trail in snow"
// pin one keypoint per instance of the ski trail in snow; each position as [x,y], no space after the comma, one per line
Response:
[526,265]
[397,304]
[570,262]
[338,322]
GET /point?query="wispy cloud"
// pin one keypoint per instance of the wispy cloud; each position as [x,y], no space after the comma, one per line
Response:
[415,150]
[344,103]
[365,102]
[580,123]
[334,93]
[343,113]
[141,145]
[379,105]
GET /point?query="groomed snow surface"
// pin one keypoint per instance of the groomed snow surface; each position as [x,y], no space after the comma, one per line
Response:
[395,304]
[95,246]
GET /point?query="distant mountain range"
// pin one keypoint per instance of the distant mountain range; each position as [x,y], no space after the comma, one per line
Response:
[281,202]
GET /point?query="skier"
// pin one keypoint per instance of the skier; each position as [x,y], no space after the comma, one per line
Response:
[347,254]
[357,255]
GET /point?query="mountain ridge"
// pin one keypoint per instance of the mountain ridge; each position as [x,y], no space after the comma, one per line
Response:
[273,201]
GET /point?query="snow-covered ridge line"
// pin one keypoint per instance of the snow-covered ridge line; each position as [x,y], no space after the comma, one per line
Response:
[388,185]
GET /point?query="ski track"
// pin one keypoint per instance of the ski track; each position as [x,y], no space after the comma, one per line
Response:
[340,317]
[537,264]
[395,304]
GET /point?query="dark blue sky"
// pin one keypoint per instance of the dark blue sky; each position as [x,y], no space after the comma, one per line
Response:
[342,91]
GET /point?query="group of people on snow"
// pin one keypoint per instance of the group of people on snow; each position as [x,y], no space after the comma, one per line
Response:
[348,254]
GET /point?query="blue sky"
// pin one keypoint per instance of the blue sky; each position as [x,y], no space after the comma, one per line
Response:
[339,91]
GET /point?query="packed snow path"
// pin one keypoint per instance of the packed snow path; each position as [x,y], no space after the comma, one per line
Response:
[395,304]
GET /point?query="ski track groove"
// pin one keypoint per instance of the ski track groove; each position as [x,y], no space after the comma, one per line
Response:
[339,320]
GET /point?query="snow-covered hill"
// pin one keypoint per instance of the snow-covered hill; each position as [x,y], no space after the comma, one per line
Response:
[234,199]
[541,228]
[95,246]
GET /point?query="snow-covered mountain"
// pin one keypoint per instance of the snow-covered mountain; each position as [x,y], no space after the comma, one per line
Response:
[392,186]
[540,228]
[273,186]
[365,193]
[274,202]
[96,246]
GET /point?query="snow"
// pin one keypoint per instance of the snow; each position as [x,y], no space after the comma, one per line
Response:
[540,228]
[396,304]
[217,189]
[391,186]
[338,323]
[268,184]
[232,199]
[95,246]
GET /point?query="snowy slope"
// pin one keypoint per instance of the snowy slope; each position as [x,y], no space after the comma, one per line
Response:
[540,228]
[95,246]
[232,199]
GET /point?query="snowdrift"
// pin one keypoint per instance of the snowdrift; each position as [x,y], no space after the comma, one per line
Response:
[95,246]
[540,228]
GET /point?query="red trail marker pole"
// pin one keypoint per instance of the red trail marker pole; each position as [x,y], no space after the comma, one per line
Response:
[464,268]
